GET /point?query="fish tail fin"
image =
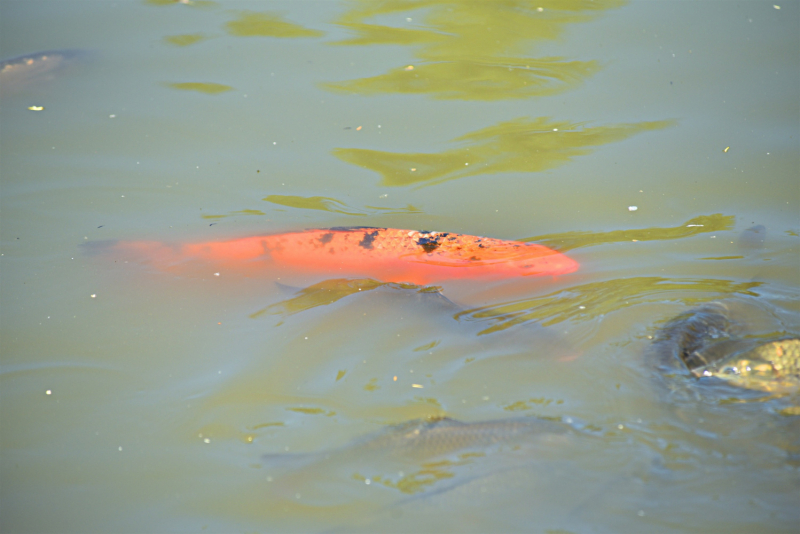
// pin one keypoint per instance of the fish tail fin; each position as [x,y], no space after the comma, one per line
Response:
[159,255]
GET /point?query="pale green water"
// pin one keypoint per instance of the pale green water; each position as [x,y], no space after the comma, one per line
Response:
[219,120]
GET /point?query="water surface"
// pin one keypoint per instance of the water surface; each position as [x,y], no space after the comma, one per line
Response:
[642,139]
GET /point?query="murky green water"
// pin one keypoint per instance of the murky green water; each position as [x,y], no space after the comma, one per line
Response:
[642,139]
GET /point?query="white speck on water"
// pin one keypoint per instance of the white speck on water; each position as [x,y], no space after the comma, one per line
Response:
[120,449]
[367,481]
[633,208]
[48,392]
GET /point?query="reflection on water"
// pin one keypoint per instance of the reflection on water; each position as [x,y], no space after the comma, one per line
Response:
[520,145]
[253,24]
[593,300]
[470,50]
[335,206]
[236,213]
[321,294]
[186,39]
[330,291]
[697,225]
[193,3]
[200,87]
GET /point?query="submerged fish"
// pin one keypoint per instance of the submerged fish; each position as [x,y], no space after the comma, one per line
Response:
[386,254]
[715,340]
[418,456]
[425,439]
[19,72]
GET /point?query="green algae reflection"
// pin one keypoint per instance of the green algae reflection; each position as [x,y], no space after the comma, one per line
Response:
[334,206]
[193,3]
[330,291]
[185,39]
[698,225]
[589,301]
[252,24]
[519,145]
[470,50]
[207,88]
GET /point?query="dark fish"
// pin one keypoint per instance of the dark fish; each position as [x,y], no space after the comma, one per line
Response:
[714,341]
[412,457]
[753,238]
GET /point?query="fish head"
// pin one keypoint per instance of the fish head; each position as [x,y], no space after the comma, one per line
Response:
[542,261]
[529,260]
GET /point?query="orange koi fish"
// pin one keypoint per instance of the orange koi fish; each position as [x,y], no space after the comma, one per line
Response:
[386,254]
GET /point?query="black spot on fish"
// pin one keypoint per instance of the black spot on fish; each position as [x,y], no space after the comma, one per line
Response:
[369,237]
[326,238]
[428,244]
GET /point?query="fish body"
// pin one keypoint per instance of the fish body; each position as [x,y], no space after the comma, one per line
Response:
[426,439]
[420,456]
[20,72]
[717,340]
[386,254]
